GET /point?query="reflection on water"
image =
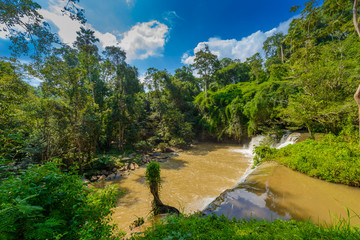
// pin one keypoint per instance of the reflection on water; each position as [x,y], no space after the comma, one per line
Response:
[190,181]
[276,192]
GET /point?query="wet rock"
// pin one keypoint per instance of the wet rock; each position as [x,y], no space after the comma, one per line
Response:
[84,180]
[111,177]
[101,178]
[132,166]
[118,174]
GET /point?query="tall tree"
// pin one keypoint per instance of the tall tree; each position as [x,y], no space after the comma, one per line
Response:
[26,28]
[356,25]
[206,64]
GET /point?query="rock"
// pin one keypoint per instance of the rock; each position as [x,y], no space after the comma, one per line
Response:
[111,177]
[94,178]
[84,180]
[126,159]
[102,177]
[132,155]
[132,166]
[126,166]
[136,165]
[103,172]
[118,174]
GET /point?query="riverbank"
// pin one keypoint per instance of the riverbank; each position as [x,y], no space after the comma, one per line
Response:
[273,191]
[214,227]
[332,158]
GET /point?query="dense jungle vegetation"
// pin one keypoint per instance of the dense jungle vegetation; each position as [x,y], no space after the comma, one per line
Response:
[91,102]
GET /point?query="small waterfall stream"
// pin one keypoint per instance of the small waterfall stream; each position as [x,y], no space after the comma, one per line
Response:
[272,191]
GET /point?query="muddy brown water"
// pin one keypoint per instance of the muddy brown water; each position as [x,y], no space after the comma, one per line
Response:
[273,191]
[199,177]
[190,182]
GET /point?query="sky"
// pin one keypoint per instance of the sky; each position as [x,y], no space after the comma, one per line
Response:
[166,34]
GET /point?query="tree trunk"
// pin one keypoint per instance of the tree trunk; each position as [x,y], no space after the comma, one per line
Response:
[357,100]
[158,206]
[356,25]
[355,18]
[205,87]
[282,53]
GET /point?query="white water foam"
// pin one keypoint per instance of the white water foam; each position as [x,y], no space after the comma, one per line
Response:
[248,151]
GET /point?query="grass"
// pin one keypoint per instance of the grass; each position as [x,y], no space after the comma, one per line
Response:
[332,159]
[214,227]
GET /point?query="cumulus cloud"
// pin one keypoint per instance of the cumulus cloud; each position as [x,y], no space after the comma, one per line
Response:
[144,40]
[237,49]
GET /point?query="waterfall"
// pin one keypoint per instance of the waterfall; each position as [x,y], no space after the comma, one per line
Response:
[287,139]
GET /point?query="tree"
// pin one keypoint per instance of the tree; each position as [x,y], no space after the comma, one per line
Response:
[26,28]
[356,25]
[273,46]
[153,179]
[206,64]
[256,71]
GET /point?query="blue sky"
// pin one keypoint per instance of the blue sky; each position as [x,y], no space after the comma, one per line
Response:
[167,33]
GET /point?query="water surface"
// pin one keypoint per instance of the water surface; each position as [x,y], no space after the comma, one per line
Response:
[190,181]
[274,191]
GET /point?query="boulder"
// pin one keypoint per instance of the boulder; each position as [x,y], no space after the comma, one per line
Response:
[102,177]
[132,166]
[84,180]
[94,178]
[126,159]
[111,177]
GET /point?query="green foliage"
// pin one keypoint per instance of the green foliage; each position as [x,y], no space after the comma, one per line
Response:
[333,159]
[45,203]
[214,227]
[152,174]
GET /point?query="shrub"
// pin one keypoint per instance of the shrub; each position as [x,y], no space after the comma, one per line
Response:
[46,203]
[332,159]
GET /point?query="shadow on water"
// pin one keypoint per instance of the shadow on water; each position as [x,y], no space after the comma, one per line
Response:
[253,200]
[174,164]
[203,149]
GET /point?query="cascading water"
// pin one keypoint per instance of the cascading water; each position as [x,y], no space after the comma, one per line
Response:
[287,139]
[248,151]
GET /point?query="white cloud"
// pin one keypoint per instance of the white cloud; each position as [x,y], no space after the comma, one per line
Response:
[145,40]
[142,41]
[237,49]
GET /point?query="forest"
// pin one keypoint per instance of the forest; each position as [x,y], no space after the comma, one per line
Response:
[91,105]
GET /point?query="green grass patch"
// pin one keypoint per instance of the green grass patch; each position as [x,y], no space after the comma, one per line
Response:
[214,227]
[332,159]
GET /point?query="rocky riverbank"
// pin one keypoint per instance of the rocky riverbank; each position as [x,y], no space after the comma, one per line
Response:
[125,164]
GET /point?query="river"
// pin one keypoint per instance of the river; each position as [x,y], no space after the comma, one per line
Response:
[202,175]
[190,181]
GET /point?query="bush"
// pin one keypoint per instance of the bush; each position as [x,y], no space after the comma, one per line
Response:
[332,159]
[214,227]
[46,203]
